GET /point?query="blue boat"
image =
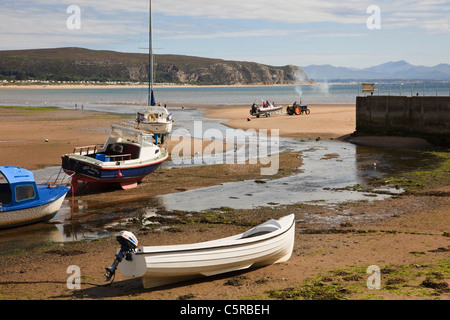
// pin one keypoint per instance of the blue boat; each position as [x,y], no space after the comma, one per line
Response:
[22,201]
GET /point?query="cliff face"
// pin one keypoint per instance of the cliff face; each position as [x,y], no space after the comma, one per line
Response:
[82,64]
[171,68]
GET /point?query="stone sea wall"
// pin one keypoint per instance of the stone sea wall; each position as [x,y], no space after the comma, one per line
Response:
[421,116]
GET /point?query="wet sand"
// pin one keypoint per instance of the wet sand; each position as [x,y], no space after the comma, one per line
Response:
[410,243]
[37,138]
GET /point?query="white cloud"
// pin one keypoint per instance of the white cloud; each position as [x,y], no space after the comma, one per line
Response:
[309,24]
[255,33]
[27,26]
[287,11]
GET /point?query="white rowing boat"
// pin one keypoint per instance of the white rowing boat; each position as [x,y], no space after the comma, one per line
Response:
[268,243]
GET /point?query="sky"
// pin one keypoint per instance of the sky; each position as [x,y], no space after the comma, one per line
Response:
[355,33]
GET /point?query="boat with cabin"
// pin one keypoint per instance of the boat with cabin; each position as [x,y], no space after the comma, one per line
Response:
[125,159]
[23,201]
[155,119]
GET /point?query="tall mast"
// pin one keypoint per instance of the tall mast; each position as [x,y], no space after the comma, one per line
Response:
[150,57]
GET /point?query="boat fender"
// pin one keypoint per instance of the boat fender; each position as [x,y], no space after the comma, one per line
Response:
[151,117]
[119,174]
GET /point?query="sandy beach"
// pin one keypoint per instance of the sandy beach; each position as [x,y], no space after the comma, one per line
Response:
[409,243]
[324,121]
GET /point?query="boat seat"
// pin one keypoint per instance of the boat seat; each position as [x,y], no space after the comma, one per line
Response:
[122,149]
[102,157]
[266,227]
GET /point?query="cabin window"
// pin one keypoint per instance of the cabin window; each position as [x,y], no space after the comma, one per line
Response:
[5,194]
[24,192]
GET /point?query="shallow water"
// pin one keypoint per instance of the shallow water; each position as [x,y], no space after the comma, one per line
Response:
[326,165]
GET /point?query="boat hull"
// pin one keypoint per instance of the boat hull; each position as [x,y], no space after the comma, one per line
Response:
[155,119]
[169,264]
[265,111]
[156,127]
[45,212]
[270,109]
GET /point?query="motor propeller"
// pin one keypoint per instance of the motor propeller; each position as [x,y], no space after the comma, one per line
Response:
[128,243]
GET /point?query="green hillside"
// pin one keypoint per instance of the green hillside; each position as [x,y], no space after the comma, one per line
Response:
[78,64]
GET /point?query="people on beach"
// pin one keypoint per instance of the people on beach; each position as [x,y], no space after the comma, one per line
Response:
[254,108]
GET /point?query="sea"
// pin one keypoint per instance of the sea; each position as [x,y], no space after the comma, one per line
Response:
[126,100]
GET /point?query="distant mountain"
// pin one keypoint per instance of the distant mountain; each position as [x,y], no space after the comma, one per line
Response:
[78,64]
[400,70]
[329,72]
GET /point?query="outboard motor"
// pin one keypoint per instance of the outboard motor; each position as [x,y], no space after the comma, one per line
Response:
[128,243]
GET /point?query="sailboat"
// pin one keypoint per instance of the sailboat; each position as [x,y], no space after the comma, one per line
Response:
[153,118]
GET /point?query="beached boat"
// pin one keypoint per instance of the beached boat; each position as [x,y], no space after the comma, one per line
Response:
[268,243]
[266,109]
[127,156]
[155,119]
[22,201]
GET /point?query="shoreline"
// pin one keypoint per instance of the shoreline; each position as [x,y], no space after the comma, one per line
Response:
[127,86]
[410,244]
